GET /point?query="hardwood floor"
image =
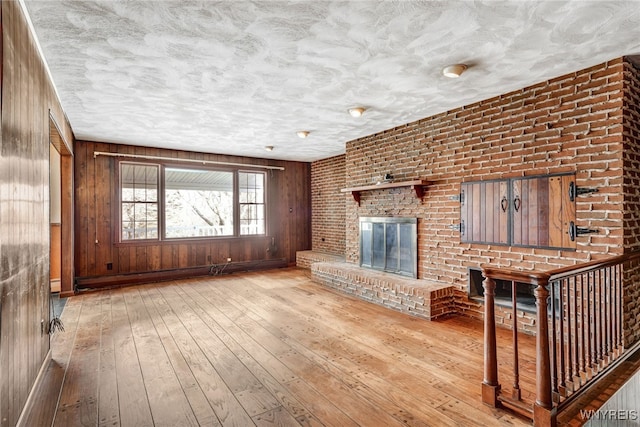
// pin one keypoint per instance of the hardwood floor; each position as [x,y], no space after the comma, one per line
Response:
[265,348]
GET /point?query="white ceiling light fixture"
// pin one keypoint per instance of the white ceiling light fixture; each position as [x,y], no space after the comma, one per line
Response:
[269,147]
[303,133]
[356,111]
[454,71]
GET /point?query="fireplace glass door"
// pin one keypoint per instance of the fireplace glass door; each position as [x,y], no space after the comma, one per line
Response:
[389,244]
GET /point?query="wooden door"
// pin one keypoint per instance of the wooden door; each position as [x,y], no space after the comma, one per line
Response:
[542,211]
[484,212]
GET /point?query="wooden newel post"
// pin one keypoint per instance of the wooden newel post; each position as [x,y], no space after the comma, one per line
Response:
[490,386]
[543,410]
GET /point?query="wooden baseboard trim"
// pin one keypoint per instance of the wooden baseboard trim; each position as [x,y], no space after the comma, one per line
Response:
[175,274]
[30,400]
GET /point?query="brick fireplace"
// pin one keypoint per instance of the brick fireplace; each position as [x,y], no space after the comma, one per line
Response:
[387,272]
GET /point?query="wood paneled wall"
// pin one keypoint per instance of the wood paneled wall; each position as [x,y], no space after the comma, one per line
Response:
[96,218]
[54,273]
[28,99]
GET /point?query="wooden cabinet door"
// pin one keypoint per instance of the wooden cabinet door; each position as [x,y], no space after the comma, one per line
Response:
[484,212]
[542,211]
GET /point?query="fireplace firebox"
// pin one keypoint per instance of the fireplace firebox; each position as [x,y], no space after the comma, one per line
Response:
[389,244]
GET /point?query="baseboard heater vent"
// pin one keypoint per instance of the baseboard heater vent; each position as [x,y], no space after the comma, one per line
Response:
[96,282]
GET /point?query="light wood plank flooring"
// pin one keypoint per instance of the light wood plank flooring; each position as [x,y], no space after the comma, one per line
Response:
[266,348]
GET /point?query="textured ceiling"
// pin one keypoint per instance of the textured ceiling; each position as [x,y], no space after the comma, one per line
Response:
[235,76]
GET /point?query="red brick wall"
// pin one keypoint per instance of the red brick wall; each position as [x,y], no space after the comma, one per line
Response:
[572,123]
[328,205]
[631,141]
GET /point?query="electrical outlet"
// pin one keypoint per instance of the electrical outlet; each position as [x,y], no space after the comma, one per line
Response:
[229,259]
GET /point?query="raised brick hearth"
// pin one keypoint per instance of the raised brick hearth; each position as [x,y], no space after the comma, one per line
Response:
[418,297]
[304,259]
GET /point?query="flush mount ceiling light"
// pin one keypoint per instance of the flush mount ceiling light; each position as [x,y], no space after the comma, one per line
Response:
[303,133]
[356,111]
[454,71]
[269,148]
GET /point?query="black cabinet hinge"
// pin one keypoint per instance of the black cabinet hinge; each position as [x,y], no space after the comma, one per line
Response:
[575,231]
[575,191]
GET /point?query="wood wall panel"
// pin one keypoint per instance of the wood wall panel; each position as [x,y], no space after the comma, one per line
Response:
[288,218]
[28,102]
[67,224]
[54,273]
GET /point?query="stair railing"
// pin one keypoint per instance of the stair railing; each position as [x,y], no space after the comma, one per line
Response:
[579,332]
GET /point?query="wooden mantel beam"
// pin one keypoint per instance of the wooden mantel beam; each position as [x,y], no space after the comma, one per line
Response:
[417,186]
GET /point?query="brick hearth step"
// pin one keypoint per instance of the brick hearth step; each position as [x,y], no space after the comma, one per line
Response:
[304,259]
[417,297]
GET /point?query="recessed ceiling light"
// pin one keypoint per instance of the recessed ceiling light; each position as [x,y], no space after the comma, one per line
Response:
[269,148]
[454,71]
[303,133]
[356,111]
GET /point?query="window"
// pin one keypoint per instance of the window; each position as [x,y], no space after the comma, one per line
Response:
[197,203]
[251,185]
[139,197]
[186,203]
